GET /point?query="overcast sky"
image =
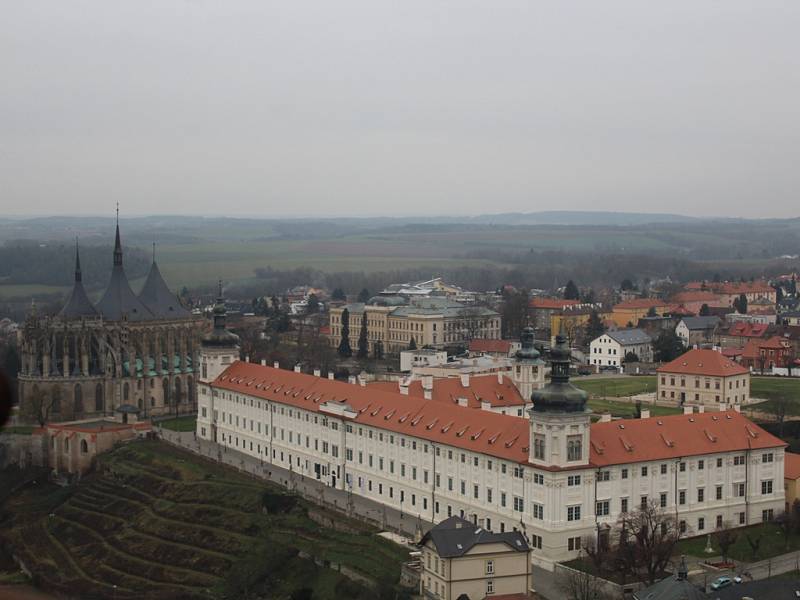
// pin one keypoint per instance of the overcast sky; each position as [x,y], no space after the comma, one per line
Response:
[411,107]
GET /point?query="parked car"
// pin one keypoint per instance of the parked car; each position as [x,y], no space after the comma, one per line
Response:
[721,582]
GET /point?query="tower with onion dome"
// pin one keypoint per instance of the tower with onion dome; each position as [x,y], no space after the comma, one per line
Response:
[527,370]
[220,347]
[559,419]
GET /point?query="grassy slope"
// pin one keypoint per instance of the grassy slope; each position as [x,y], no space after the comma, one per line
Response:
[161,521]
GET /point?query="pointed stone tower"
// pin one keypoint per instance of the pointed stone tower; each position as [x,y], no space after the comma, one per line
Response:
[559,420]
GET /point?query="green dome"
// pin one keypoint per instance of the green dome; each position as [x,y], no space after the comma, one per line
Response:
[559,395]
[528,351]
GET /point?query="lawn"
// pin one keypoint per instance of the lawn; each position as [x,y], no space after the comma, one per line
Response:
[188,423]
[772,543]
[18,429]
[628,409]
[775,387]
[617,386]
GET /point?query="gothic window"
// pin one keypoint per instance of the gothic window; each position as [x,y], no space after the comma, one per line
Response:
[126,391]
[78,400]
[165,389]
[98,397]
[190,389]
[84,447]
[178,390]
[574,448]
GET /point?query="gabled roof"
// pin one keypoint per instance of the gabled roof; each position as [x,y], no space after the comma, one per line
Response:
[627,337]
[486,388]
[676,436]
[791,465]
[551,303]
[158,299]
[455,536]
[493,346]
[744,329]
[752,349]
[701,361]
[700,323]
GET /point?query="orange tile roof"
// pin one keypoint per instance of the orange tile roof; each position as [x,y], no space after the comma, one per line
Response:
[746,287]
[551,303]
[485,345]
[791,465]
[700,361]
[743,329]
[494,434]
[679,310]
[752,349]
[639,303]
[676,436]
[698,296]
[449,389]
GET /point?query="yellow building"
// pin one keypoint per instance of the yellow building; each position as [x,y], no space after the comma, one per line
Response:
[791,477]
[567,322]
[463,560]
[633,310]
[434,322]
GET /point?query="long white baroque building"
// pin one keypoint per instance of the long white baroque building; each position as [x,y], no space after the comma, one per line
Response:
[553,474]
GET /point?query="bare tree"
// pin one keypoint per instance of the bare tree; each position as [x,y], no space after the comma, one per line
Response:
[778,407]
[471,321]
[37,406]
[725,537]
[579,585]
[755,543]
[647,539]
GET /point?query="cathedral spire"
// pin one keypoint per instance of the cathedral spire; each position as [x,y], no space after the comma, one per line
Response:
[78,276]
[117,244]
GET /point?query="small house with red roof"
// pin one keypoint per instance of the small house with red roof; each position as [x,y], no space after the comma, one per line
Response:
[704,377]
[764,355]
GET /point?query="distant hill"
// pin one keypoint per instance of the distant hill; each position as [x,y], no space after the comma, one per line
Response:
[568,217]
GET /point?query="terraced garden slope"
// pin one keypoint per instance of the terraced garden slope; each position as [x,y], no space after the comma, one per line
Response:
[157,522]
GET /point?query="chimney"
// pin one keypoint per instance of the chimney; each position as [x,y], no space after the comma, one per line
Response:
[428,394]
[465,380]
[462,402]
[427,382]
[297,368]
[330,374]
[362,381]
[500,377]
[486,405]
[701,409]
[263,362]
[645,413]
[605,418]
[317,372]
[404,387]
[688,410]
[246,358]
[276,365]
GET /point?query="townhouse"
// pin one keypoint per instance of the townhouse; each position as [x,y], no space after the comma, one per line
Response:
[704,377]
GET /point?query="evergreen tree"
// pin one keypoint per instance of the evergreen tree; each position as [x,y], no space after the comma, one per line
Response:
[363,345]
[631,357]
[313,305]
[345,350]
[338,294]
[626,285]
[594,326]
[651,312]
[363,295]
[778,293]
[740,304]
[668,346]
[705,310]
[412,345]
[571,291]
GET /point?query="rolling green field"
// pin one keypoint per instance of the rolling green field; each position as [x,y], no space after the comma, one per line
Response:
[775,387]
[617,386]
[628,409]
[158,522]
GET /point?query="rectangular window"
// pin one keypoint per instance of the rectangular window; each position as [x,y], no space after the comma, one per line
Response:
[574,513]
[701,494]
[623,505]
[700,465]
[490,567]
[664,468]
[719,492]
[701,524]
[604,476]
[766,486]
[624,474]
[573,480]
[644,471]
[519,504]
[538,479]
[663,500]
[602,508]
[538,511]
[574,543]
[767,458]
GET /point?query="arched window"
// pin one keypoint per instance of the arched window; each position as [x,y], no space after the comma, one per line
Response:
[84,447]
[152,383]
[78,402]
[56,408]
[98,397]
[126,391]
[139,402]
[178,390]
[152,401]
[574,448]
[165,389]
[139,384]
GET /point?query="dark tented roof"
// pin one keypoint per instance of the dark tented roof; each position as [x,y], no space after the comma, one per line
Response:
[78,304]
[456,536]
[119,300]
[158,299]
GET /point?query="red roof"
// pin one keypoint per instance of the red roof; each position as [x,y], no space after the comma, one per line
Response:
[494,434]
[551,303]
[701,361]
[698,296]
[680,310]
[639,303]
[484,388]
[502,436]
[746,287]
[489,346]
[791,465]
[752,349]
[743,329]
[732,352]
[676,436]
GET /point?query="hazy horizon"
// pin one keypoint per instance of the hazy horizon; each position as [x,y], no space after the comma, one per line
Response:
[384,109]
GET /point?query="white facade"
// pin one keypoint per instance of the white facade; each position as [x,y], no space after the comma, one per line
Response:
[556,499]
[605,351]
